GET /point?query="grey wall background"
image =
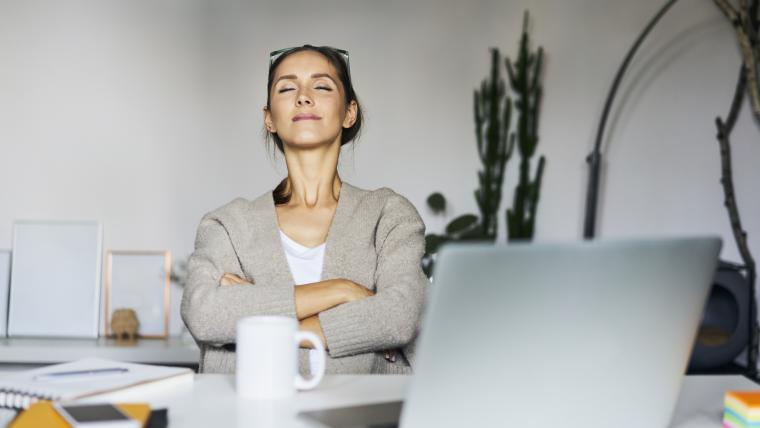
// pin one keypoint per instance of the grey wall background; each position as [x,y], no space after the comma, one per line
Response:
[147,114]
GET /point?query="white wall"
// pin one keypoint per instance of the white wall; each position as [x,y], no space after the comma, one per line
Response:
[103,116]
[147,114]
[415,66]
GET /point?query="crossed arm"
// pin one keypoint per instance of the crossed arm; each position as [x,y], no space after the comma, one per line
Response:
[311,299]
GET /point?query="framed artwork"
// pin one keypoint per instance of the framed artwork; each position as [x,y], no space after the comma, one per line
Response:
[5,283]
[55,279]
[140,281]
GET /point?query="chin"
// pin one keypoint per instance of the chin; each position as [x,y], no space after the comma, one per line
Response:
[310,141]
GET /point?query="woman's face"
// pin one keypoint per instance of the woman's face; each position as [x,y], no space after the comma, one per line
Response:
[307,107]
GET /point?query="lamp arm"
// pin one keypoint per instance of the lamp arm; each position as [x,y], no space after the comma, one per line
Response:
[594,159]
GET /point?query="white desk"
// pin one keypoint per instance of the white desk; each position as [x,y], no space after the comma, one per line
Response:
[211,401]
[700,404]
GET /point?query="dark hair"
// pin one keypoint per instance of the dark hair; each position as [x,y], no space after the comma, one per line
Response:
[281,193]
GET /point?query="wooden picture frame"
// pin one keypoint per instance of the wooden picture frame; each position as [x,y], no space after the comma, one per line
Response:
[139,280]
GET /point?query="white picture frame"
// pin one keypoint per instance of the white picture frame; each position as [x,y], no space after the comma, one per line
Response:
[139,280]
[5,284]
[55,279]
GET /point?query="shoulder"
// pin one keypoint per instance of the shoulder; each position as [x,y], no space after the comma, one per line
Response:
[232,209]
[386,200]
[397,223]
[388,212]
[233,223]
[214,227]
[236,217]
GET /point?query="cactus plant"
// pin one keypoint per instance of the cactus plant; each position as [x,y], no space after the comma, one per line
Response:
[494,151]
[524,78]
[492,111]
[492,107]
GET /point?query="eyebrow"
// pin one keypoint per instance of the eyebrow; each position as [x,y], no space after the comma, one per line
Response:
[313,76]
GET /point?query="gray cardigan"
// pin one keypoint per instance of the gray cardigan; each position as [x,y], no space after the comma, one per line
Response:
[376,239]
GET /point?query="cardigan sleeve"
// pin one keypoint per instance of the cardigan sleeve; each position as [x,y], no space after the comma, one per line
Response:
[211,311]
[390,318]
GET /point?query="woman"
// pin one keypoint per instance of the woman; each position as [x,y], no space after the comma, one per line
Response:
[342,260]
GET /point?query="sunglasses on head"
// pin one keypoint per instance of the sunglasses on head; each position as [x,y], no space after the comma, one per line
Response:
[278,53]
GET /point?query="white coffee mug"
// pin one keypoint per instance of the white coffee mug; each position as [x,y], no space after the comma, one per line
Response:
[267,357]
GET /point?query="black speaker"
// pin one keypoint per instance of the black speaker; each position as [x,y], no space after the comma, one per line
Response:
[725,328]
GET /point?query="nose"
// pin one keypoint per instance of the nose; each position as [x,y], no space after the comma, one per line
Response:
[303,99]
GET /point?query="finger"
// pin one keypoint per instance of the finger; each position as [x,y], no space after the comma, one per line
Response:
[239,280]
[232,279]
[228,279]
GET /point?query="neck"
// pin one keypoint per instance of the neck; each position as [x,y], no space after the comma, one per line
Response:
[313,176]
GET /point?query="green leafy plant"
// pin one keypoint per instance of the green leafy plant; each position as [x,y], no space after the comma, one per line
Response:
[493,108]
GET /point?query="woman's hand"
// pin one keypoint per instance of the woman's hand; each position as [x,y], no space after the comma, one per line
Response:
[354,291]
[232,279]
[312,324]
[311,299]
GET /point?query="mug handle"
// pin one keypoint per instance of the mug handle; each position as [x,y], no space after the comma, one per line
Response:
[308,336]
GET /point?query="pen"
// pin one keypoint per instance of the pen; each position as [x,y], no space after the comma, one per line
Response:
[91,372]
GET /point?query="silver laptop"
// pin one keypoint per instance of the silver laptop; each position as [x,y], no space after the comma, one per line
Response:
[583,334]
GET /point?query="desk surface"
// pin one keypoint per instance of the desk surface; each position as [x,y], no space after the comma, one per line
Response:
[211,400]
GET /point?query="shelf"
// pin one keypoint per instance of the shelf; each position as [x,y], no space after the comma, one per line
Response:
[172,351]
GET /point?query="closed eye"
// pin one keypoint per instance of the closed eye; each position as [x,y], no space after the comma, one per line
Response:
[326,88]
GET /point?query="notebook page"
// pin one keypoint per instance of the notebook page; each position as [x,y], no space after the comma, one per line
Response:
[71,387]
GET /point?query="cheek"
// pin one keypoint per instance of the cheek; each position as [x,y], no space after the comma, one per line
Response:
[335,108]
[278,110]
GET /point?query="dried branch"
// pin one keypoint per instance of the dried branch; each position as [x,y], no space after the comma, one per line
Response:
[744,25]
[736,103]
[727,9]
[730,201]
[726,180]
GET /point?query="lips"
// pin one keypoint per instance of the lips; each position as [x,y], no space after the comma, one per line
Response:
[305,116]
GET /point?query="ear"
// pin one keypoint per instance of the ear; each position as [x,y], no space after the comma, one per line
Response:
[350,118]
[268,123]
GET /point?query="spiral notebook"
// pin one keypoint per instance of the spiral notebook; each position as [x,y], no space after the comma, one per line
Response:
[80,379]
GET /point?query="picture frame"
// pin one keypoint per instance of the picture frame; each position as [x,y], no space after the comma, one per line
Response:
[139,280]
[55,271]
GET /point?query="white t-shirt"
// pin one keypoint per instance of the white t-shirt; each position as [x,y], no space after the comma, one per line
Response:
[306,266]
